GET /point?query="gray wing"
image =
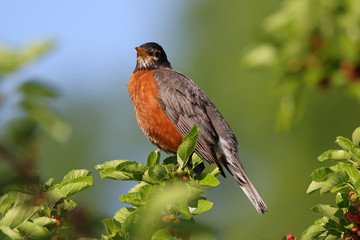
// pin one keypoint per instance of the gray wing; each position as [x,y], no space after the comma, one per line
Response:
[185,104]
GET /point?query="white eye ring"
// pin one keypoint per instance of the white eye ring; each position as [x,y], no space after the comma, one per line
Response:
[156,55]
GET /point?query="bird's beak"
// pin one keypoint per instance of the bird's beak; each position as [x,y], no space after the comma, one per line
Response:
[142,52]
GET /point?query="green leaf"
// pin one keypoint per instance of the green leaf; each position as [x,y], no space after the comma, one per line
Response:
[67,205]
[112,226]
[187,146]
[37,89]
[138,195]
[162,234]
[345,143]
[357,186]
[122,170]
[342,200]
[18,215]
[207,180]
[34,231]
[356,153]
[53,196]
[5,204]
[328,211]
[109,164]
[314,186]
[351,171]
[6,233]
[313,232]
[158,172]
[336,155]
[170,160]
[334,180]
[321,174]
[356,137]
[201,206]
[211,169]
[43,221]
[195,160]
[74,182]
[123,213]
[153,158]
[184,208]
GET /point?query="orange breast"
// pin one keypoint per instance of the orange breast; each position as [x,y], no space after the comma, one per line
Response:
[151,118]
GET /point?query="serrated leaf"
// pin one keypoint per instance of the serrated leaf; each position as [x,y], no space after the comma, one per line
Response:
[356,153]
[109,164]
[211,169]
[195,160]
[53,196]
[335,155]
[5,204]
[351,171]
[187,146]
[184,208]
[6,233]
[170,160]
[314,186]
[112,226]
[334,180]
[122,170]
[34,231]
[158,172]
[67,205]
[201,206]
[123,213]
[328,211]
[345,143]
[321,174]
[356,137]
[313,232]
[18,215]
[74,182]
[341,200]
[162,234]
[138,195]
[43,221]
[153,158]
[75,174]
[207,180]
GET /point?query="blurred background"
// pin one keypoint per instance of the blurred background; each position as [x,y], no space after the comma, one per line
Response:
[87,55]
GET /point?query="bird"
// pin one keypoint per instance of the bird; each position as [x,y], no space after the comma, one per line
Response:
[168,104]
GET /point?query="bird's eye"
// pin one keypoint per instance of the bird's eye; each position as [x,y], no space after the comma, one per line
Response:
[157,54]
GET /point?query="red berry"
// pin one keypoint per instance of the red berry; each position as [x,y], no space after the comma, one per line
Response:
[358,232]
[185,177]
[290,237]
[354,228]
[57,220]
[349,216]
[357,219]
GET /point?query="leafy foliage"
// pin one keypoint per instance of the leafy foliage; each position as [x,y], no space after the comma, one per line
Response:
[312,44]
[343,179]
[40,212]
[167,197]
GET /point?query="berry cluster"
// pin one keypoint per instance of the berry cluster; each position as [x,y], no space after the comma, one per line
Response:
[173,221]
[353,216]
[290,237]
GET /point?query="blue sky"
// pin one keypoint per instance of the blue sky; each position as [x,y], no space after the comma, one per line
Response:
[94,39]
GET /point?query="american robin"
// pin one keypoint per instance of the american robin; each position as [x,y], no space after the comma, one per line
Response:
[167,105]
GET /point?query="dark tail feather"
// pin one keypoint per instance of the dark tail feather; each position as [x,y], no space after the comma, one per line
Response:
[246,185]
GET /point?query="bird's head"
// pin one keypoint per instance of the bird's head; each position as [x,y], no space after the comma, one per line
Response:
[151,56]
